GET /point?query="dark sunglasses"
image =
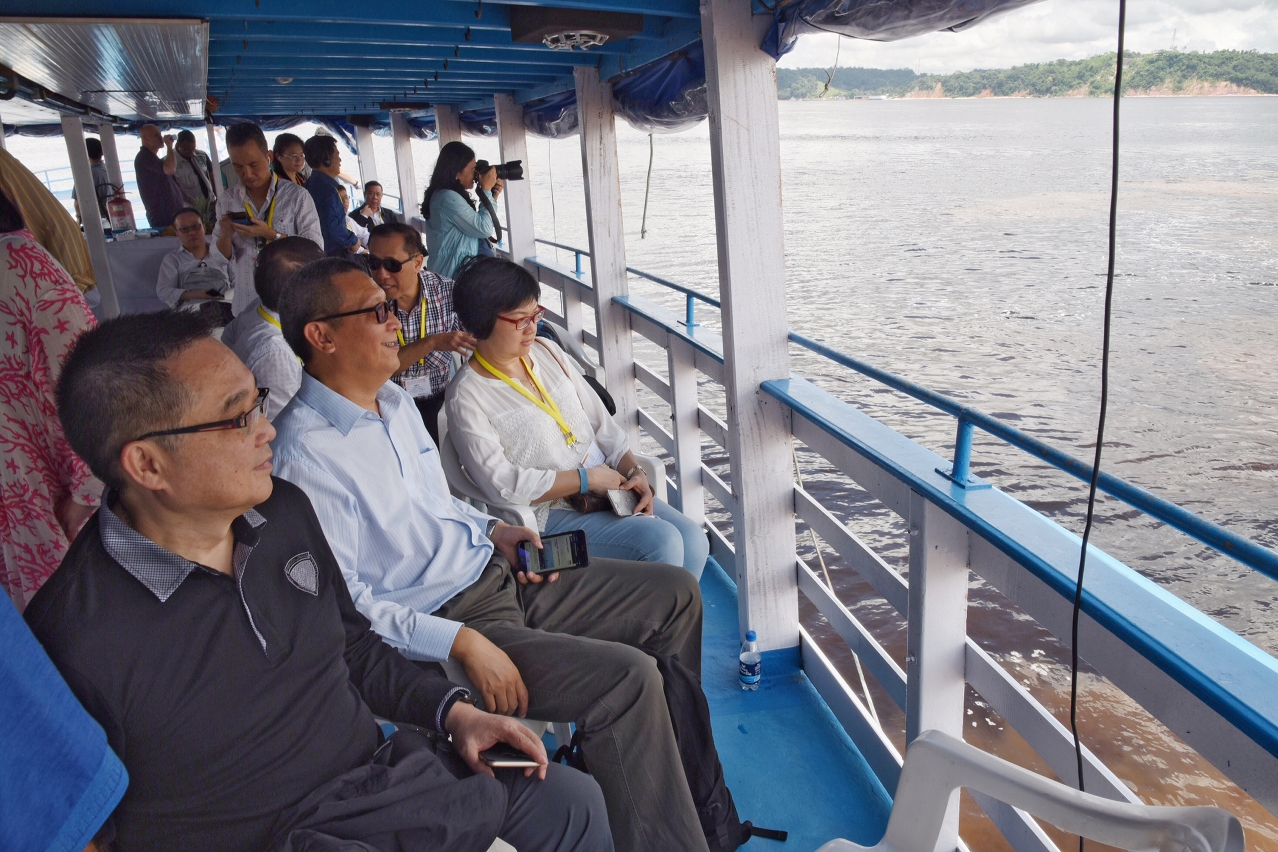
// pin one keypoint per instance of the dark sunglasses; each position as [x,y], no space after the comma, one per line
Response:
[393,265]
[247,420]
[380,312]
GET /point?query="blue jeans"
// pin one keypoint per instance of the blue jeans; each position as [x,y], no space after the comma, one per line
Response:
[668,536]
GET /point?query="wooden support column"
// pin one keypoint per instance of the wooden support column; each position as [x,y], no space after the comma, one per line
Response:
[687,432]
[215,158]
[447,124]
[367,158]
[936,638]
[110,154]
[607,236]
[513,145]
[2,142]
[745,159]
[73,133]
[404,165]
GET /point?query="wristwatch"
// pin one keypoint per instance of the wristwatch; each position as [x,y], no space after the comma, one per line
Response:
[491,526]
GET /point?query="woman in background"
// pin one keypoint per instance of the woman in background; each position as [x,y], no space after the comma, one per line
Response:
[290,162]
[455,221]
[46,491]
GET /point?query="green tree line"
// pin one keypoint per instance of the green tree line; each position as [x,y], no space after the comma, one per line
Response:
[1168,69]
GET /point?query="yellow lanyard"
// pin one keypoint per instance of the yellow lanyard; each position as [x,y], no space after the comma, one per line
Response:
[422,333]
[270,211]
[548,406]
[261,312]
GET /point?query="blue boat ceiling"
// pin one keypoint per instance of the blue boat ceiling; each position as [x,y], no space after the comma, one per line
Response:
[342,64]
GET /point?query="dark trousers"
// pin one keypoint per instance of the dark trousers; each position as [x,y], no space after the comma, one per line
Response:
[417,795]
[429,407]
[576,644]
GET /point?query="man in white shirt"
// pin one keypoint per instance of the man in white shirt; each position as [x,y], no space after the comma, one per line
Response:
[259,209]
[434,574]
[195,275]
[372,214]
[255,334]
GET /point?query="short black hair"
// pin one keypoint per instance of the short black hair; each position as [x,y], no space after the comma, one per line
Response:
[411,236]
[188,209]
[370,184]
[185,135]
[488,286]
[319,151]
[114,386]
[94,147]
[276,264]
[311,293]
[244,133]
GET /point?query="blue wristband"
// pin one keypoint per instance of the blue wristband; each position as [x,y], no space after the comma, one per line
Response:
[585,483]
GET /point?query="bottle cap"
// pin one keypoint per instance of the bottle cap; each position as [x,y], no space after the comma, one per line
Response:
[750,636]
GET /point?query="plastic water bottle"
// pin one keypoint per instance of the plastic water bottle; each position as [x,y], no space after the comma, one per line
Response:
[751,664]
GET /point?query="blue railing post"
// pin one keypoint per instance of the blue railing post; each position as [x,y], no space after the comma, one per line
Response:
[692,312]
[962,451]
[578,264]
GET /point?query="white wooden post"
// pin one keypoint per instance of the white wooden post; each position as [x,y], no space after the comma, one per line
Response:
[110,154]
[404,164]
[937,634]
[73,133]
[745,159]
[215,158]
[607,237]
[2,142]
[687,433]
[447,124]
[513,145]
[367,157]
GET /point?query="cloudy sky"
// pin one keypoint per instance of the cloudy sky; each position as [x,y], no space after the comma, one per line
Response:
[1059,29]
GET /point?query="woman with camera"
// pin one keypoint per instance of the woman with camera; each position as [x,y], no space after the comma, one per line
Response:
[455,222]
[529,430]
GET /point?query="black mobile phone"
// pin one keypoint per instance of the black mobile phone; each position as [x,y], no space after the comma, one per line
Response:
[503,756]
[240,217]
[561,552]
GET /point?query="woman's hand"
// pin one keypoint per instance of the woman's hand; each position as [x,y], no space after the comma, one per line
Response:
[639,484]
[488,179]
[498,187]
[602,479]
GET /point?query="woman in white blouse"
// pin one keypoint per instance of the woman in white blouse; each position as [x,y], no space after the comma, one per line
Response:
[529,430]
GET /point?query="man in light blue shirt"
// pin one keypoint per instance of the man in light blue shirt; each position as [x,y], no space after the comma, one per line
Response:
[434,575]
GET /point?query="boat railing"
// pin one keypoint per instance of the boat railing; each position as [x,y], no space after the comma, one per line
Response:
[1208,686]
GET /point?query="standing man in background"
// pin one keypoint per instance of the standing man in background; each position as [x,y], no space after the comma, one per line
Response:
[372,214]
[102,186]
[326,164]
[274,208]
[195,176]
[161,195]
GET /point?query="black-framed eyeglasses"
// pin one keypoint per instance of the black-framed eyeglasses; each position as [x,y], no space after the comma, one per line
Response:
[393,264]
[380,312]
[247,420]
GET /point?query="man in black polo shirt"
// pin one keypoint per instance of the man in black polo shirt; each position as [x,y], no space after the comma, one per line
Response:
[200,617]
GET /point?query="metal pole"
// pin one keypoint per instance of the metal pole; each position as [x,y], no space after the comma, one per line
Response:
[73,133]
[962,451]
[110,154]
[404,163]
[215,157]
[367,157]
[692,313]
[578,264]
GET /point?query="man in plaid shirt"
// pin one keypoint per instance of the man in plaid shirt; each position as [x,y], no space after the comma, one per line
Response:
[424,305]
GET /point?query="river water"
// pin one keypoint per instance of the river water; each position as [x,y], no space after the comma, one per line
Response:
[962,244]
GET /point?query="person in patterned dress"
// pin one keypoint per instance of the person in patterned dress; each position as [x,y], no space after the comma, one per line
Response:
[46,491]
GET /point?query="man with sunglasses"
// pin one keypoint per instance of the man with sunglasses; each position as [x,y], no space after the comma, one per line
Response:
[429,329]
[434,575]
[201,619]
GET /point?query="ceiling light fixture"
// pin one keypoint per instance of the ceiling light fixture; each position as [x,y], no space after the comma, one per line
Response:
[581,40]
[283,81]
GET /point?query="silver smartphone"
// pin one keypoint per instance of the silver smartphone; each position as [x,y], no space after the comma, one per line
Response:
[623,501]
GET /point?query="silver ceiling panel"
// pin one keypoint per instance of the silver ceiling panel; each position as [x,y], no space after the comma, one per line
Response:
[134,69]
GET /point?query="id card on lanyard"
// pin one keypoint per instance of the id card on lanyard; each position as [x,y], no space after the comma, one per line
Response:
[594,456]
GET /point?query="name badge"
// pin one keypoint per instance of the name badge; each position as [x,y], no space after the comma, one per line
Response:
[594,456]
[418,386]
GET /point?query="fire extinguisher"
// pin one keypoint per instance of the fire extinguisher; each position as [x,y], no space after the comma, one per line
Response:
[120,212]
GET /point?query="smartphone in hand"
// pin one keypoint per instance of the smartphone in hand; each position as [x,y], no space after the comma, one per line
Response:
[561,552]
[503,756]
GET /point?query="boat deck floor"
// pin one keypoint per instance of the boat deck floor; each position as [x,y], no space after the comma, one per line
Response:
[788,761]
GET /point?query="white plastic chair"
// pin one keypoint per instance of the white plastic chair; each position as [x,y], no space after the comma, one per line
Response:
[937,764]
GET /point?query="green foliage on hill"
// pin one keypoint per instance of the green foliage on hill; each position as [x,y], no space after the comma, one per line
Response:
[1167,70]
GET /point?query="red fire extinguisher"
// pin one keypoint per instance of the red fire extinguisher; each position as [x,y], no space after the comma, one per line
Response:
[120,212]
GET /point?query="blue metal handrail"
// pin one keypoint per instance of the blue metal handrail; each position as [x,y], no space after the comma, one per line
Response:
[692,295]
[1214,536]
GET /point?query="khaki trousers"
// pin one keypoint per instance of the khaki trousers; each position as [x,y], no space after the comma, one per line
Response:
[575,643]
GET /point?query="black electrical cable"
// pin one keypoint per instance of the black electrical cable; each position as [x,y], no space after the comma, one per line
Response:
[1104,404]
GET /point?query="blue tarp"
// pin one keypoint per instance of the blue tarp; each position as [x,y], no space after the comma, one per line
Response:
[877,20]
